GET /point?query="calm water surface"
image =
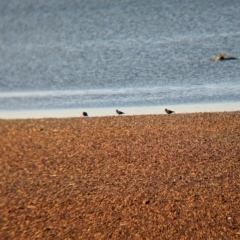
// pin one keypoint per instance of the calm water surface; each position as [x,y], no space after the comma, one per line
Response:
[106,54]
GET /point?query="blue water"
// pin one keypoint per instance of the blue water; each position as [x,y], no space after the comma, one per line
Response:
[123,53]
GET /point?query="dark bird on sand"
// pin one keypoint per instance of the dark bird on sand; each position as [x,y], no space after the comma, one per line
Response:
[169,111]
[85,114]
[119,112]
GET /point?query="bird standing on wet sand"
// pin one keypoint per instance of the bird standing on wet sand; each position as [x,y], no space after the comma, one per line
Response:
[169,111]
[85,114]
[119,112]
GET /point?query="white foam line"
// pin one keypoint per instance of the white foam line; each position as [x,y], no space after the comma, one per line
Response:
[98,112]
[75,92]
[118,91]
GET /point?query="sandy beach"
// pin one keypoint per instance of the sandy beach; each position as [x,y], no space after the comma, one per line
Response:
[121,177]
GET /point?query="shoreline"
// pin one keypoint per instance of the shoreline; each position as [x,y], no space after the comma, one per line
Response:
[130,111]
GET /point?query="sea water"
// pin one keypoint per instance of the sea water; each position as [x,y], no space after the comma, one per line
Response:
[103,54]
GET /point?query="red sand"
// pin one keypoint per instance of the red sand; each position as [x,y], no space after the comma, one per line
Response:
[137,177]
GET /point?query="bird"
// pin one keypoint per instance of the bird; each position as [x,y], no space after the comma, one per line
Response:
[169,111]
[85,114]
[222,57]
[119,112]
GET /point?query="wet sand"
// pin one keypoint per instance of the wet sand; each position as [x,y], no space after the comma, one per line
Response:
[104,112]
[123,177]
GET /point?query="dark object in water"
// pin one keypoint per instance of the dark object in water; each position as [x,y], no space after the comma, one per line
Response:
[119,112]
[222,57]
[169,111]
[85,114]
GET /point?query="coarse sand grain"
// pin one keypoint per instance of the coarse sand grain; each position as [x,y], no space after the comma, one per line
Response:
[122,177]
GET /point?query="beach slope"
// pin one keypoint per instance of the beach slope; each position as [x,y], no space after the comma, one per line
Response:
[123,177]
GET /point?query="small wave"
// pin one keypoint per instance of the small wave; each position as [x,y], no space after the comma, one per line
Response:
[80,92]
[120,91]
